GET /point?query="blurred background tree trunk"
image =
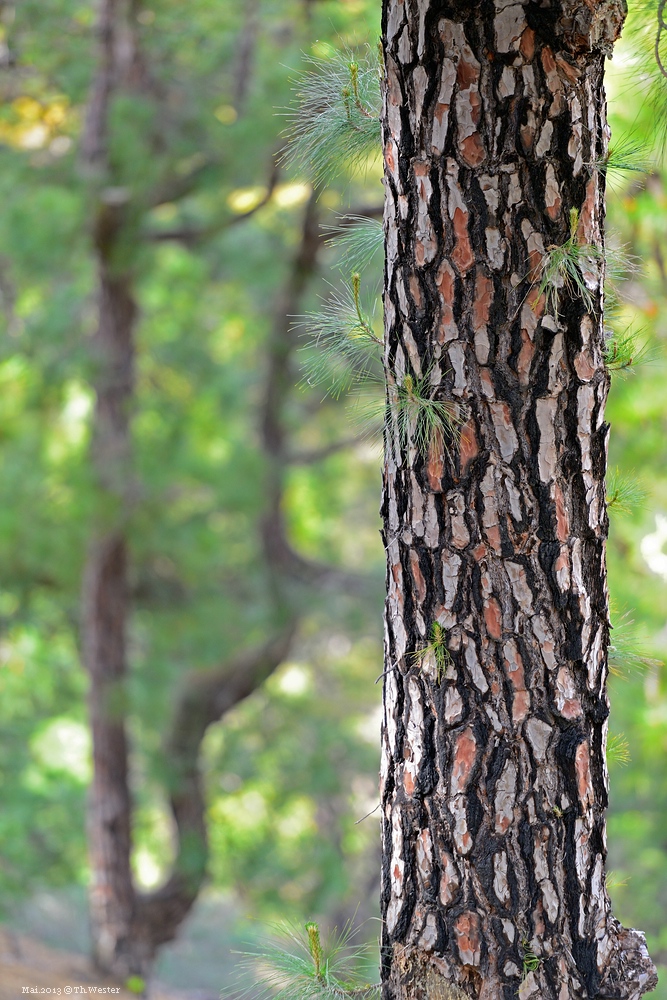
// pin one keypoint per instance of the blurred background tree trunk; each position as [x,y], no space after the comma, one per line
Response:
[105,598]
[128,926]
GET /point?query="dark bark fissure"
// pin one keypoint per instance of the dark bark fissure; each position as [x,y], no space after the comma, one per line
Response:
[494,780]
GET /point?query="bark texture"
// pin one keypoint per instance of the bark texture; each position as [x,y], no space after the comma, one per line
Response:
[494,779]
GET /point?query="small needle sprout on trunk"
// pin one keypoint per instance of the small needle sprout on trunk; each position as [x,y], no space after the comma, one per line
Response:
[563,267]
[335,123]
[300,966]
[624,494]
[618,750]
[344,350]
[422,421]
[624,351]
[437,648]
[626,652]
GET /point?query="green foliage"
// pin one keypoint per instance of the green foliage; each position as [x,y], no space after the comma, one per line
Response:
[135,984]
[436,647]
[624,352]
[625,494]
[613,881]
[563,267]
[346,347]
[296,966]
[628,153]
[422,421]
[361,244]
[335,125]
[190,153]
[626,653]
[411,416]
[529,960]
[292,771]
[618,750]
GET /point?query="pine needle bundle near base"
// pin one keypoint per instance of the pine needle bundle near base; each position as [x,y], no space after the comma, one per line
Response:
[298,965]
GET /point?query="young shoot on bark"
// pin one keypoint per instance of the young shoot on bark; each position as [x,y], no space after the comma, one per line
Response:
[618,750]
[612,881]
[625,652]
[624,352]
[297,965]
[625,494]
[530,961]
[422,421]
[627,154]
[411,415]
[346,347]
[335,124]
[437,649]
[562,269]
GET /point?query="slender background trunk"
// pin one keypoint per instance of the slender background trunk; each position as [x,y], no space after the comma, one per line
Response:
[494,779]
[128,926]
[105,588]
[105,611]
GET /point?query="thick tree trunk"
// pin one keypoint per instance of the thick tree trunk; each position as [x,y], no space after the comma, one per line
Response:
[494,780]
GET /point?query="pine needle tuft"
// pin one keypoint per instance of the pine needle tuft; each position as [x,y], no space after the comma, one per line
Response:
[562,269]
[421,420]
[437,648]
[361,243]
[345,348]
[625,154]
[624,493]
[626,654]
[618,750]
[296,965]
[335,124]
[613,881]
[623,352]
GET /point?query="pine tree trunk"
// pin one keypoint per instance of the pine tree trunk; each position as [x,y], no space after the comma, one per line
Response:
[105,612]
[494,779]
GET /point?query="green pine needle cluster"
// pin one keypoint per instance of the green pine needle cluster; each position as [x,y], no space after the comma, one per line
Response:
[562,269]
[437,647]
[612,880]
[335,124]
[297,965]
[411,415]
[346,347]
[361,243]
[618,750]
[625,154]
[623,352]
[624,493]
[422,421]
[625,653]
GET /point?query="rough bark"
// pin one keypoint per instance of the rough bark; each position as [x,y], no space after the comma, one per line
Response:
[494,780]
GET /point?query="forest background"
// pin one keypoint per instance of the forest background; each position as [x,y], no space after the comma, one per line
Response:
[228,244]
